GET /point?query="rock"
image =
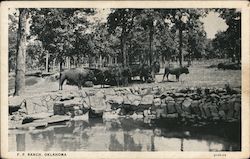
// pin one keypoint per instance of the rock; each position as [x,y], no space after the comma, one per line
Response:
[36,124]
[109,92]
[134,99]
[27,120]
[159,112]
[222,105]
[214,111]
[230,112]
[213,95]
[56,119]
[147,100]
[58,108]
[187,102]
[146,113]
[186,105]
[184,90]
[178,95]
[16,103]
[157,102]
[114,99]
[169,99]
[171,107]
[178,107]
[222,114]
[98,102]
[88,84]
[206,109]
[38,116]
[203,114]
[195,107]
[237,106]
[67,97]
[171,116]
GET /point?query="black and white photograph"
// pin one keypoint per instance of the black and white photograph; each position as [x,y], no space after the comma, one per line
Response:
[132,79]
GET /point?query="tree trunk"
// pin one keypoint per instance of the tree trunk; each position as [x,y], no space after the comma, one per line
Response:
[123,50]
[47,62]
[21,53]
[54,63]
[180,47]
[151,32]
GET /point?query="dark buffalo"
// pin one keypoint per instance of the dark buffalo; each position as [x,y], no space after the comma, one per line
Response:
[228,66]
[76,76]
[144,71]
[118,75]
[100,75]
[175,71]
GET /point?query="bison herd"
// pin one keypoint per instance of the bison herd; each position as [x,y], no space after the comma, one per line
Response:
[119,76]
[108,75]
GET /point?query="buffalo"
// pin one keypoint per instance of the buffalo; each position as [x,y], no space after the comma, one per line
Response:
[228,66]
[111,75]
[175,71]
[144,71]
[118,75]
[76,76]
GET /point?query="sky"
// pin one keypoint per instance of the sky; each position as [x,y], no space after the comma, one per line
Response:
[213,23]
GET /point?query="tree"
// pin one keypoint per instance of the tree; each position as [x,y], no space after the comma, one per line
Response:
[122,21]
[12,47]
[232,36]
[57,28]
[21,52]
[183,20]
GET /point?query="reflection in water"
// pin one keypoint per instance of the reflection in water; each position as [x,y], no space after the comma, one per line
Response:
[124,135]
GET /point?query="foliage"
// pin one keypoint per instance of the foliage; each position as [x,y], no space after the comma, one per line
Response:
[229,42]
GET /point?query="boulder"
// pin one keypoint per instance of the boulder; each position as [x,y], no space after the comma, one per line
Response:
[214,111]
[237,108]
[222,114]
[17,103]
[230,112]
[172,116]
[178,95]
[168,98]
[159,112]
[88,84]
[98,102]
[135,100]
[58,108]
[147,100]
[114,99]
[109,92]
[178,107]
[157,102]
[195,107]
[171,107]
[203,114]
[186,105]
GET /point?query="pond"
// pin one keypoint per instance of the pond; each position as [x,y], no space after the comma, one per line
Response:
[126,134]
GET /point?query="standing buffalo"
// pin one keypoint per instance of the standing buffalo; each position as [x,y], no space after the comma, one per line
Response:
[118,75]
[175,71]
[76,76]
[144,71]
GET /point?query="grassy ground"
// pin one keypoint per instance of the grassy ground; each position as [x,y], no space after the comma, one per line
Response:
[200,76]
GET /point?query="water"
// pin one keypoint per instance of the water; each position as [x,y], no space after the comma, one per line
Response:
[125,135]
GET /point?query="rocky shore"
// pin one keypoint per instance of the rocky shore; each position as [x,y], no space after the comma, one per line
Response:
[194,106]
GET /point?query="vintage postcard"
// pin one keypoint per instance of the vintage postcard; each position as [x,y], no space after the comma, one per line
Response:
[125,79]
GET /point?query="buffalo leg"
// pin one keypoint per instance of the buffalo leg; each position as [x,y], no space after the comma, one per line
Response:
[177,77]
[167,76]
[163,77]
